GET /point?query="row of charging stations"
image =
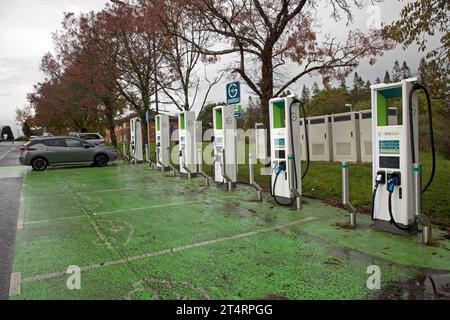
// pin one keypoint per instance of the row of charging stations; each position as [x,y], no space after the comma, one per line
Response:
[392,147]
[190,142]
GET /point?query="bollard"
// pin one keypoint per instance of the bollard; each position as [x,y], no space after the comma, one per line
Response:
[200,167]
[345,191]
[158,162]
[292,188]
[147,154]
[224,172]
[185,167]
[346,195]
[252,177]
[417,189]
[417,180]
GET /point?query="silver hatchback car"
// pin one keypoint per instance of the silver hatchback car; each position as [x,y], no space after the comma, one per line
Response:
[64,151]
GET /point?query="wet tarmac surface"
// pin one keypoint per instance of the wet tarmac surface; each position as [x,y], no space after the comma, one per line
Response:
[10,190]
[9,154]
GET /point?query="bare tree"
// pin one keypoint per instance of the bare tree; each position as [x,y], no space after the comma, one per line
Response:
[180,58]
[265,35]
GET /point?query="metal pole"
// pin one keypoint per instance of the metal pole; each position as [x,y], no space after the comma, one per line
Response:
[146,153]
[148,135]
[252,177]
[200,167]
[417,189]
[224,168]
[123,139]
[345,192]
[186,168]
[158,162]
[292,188]
[346,195]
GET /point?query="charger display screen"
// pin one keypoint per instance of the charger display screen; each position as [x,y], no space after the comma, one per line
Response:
[280,154]
[390,162]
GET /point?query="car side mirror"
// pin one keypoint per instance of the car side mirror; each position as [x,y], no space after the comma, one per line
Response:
[86,146]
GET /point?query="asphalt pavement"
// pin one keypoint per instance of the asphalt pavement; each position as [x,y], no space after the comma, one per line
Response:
[10,191]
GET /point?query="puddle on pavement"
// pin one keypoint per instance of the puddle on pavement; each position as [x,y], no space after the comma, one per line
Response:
[432,285]
[429,285]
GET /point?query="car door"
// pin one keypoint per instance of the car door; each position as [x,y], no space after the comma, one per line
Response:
[54,150]
[78,151]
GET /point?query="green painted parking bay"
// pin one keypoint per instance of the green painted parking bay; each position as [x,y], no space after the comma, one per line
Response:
[136,233]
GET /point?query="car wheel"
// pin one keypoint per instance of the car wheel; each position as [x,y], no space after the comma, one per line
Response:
[101,160]
[39,164]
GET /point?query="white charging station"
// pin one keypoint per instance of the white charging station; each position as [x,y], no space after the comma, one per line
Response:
[365,127]
[162,136]
[188,131]
[320,138]
[225,139]
[136,145]
[392,155]
[285,141]
[346,145]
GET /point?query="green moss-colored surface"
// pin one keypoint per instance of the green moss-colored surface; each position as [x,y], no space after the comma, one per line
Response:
[133,216]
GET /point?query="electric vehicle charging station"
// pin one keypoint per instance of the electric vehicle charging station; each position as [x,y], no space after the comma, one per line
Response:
[225,168]
[188,131]
[162,141]
[303,139]
[396,207]
[365,126]
[136,150]
[320,138]
[345,129]
[286,183]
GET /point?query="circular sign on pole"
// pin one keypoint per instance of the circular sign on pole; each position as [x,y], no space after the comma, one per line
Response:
[233,93]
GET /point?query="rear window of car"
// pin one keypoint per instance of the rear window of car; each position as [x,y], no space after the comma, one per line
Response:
[54,143]
[32,143]
[89,136]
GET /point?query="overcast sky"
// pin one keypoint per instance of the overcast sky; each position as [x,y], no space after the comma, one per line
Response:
[26,28]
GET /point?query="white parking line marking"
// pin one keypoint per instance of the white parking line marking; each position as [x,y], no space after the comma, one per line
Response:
[111,212]
[6,153]
[79,192]
[170,250]
[19,224]
[14,287]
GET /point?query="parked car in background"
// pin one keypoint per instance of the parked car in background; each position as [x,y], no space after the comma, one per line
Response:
[95,138]
[64,151]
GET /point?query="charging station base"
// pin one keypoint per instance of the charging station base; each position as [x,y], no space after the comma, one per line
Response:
[390,227]
[285,201]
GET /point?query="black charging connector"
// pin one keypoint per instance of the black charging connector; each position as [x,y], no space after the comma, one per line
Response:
[381,177]
[395,175]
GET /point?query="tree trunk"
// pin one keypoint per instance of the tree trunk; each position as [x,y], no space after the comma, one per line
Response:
[266,86]
[109,105]
[112,129]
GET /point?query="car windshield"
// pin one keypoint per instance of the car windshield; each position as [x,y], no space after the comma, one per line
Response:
[89,136]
